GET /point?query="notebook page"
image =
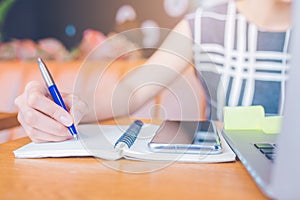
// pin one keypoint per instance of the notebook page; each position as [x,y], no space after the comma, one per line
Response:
[51,149]
[94,140]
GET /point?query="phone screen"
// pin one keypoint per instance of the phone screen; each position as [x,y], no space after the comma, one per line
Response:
[186,137]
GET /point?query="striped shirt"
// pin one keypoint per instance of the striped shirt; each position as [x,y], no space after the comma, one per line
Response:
[237,63]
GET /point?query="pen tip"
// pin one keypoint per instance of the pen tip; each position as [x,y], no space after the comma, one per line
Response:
[75,137]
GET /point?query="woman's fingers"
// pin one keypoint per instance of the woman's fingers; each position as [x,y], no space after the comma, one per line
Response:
[44,120]
[36,98]
[37,135]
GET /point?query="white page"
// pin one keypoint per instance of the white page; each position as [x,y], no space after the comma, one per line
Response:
[92,142]
[51,149]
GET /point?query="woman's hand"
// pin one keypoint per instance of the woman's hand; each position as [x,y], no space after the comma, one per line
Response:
[42,119]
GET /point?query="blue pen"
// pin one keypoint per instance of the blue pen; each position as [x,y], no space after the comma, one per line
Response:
[54,91]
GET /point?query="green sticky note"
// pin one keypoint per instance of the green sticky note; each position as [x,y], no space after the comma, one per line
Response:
[243,117]
[272,124]
[250,118]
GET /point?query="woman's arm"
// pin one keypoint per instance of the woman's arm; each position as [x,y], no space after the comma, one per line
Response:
[142,83]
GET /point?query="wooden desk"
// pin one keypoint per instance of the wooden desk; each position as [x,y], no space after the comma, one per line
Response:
[8,120]
[90,178]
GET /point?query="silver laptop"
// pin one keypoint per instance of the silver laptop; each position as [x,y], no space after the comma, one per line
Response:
[274,161]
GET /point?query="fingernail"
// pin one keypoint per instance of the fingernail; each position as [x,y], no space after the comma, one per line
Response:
[65,120]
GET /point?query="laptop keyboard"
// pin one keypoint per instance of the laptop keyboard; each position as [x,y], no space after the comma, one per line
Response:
[267,149]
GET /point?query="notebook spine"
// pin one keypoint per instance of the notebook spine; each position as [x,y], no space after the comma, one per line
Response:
[130,135]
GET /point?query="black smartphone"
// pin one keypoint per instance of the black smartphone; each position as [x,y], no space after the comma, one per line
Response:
[196,137]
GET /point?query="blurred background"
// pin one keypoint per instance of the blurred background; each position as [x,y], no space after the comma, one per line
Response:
[67,19]
[70,22]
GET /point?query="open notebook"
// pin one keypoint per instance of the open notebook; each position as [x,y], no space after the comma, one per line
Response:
[99,141]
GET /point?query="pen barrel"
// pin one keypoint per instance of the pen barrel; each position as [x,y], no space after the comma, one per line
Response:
[59,101]
[56,96]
